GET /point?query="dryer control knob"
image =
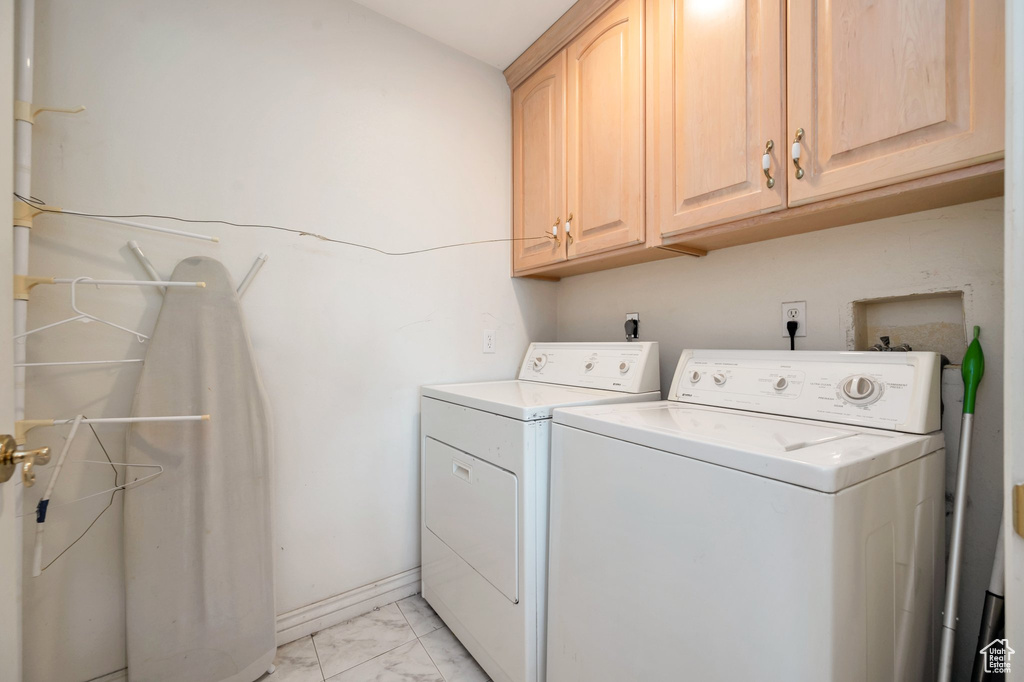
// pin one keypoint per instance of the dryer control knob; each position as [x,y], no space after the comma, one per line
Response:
[860,389]
[694,377]
[624,367]
[781,383]
[539,362]
[719,378]
[588,365]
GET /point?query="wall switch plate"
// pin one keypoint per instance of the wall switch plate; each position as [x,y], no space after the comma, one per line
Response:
[489,341]
[794,310]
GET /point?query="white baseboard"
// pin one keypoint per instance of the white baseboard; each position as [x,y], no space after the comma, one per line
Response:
[116,676]
[337,609]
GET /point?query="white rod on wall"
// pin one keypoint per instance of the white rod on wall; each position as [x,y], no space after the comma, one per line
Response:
[136,420]
[75,362]
[23,426]
[141,226]
[147,265]
[251,275]
[125,282]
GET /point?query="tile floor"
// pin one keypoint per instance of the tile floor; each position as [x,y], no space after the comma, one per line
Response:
[400,642]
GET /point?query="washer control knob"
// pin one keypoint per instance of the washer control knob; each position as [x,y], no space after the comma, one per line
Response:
[588,365]
[624,367]
[539,362]
[694,377]
[719,378]
[859,389]
[781,383]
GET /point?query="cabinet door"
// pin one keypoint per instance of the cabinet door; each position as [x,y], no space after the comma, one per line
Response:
[538,166]
[605,130]
[892,90]
[718,75]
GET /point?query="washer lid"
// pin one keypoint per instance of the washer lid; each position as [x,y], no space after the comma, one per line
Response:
[526,400]
[811,454]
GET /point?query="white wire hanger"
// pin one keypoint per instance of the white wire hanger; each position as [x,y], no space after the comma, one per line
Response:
[44,502]
[124,486]
[37,554]
[87,317]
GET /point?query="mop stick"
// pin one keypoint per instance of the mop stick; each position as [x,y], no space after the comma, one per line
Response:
[973,369]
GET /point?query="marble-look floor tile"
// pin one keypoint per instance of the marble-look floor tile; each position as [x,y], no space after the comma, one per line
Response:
[419,614]
[296,662]
[356,641]
[407,663]
[451,658]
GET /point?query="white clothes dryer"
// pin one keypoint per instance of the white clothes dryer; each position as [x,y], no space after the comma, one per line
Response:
[485,450]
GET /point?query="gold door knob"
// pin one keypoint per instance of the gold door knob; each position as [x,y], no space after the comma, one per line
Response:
[796,153]
[10,458]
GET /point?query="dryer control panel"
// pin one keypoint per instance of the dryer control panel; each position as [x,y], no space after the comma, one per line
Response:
[627,367]
[896,391]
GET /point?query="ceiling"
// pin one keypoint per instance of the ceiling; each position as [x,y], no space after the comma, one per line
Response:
[493,31]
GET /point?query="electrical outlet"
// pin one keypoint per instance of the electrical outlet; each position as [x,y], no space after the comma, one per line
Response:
[632,333]
[794,311]
[489,341]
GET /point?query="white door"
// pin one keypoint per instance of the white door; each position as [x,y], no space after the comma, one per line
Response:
[1013,416]
[10,492]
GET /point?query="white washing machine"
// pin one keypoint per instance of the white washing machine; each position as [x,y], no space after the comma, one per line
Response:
[485,464]
[778,519]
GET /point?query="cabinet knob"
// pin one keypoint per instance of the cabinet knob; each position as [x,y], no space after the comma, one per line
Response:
[796,153]
[554,231]
[568,228]
[766,163]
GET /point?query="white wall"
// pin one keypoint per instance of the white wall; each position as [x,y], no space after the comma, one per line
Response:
[731,299]
[316,114]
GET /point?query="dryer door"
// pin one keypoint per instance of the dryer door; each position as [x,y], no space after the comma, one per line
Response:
[473,507]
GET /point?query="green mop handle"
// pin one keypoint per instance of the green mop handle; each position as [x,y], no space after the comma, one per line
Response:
[973,369]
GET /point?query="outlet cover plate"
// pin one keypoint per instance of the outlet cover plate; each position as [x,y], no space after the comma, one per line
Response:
[634,316]
[794,310]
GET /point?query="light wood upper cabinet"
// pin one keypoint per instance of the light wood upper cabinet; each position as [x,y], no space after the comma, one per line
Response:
[538,166]
[605,131]
[891,91]
[718,71]
[646,125]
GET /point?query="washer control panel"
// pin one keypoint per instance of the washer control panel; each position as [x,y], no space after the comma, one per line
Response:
[628,367]
[896,391]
